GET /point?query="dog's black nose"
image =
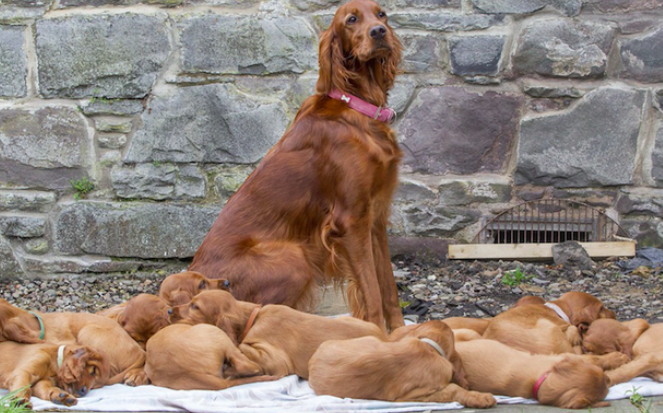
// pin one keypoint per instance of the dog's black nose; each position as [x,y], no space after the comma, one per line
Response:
[378,32]
[82,391]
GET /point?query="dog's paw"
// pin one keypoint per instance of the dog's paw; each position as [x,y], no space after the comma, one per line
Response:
[136,377]
[614,360]
[61,397]
[478,400]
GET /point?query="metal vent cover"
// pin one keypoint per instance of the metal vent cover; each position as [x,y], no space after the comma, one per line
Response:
[549,221]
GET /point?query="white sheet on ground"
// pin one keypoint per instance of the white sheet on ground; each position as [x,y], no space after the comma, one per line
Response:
[289,394]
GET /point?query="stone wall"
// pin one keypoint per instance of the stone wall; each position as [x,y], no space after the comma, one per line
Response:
[167,105]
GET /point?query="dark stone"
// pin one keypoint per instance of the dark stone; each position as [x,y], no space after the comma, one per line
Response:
[571,254]
[449,130]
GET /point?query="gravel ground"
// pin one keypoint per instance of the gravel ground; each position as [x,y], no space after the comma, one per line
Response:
[432,290]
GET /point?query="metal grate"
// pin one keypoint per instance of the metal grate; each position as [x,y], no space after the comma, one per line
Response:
[549,221]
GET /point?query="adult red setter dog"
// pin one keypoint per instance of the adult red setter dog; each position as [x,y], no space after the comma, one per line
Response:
[315,210]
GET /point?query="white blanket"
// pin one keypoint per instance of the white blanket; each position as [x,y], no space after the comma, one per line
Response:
[289,394]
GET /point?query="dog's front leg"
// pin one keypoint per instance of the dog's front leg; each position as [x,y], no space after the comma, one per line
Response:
[357,242]
[388,289]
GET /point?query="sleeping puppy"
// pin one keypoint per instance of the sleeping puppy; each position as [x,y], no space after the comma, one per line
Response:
[635,338]
[184,357]
[550,328]
[180,288]
[125,356]
[141,317]
[50,372]
[281,340]
[568,381]
[415,366]
[16,325]
[440,330]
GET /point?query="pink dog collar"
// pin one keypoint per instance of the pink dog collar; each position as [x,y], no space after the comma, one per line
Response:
[535,390]
[383,114]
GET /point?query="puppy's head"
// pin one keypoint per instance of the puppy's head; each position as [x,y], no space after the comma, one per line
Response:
[180,288]
[82,370]
[440,333]
[574,384]
[143,316]
[605,336]
[218,308]
[584,309]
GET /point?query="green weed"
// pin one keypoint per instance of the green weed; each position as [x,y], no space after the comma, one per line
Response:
[515,277]
[638,400]
[81,188]
[10,403]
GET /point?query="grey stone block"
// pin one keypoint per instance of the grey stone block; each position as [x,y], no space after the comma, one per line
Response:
[10,269]
[99,55]
[465,192]
[594,144]
[23,226]
[564,48]
[438,221]
[111,140]
[642,57]
[421,53]
[113,126]
[210,124]
[29,201]
[425,4]
[444,22]
[13,61]
[567,7]
[476,55]
[158,182]
[240,44]
[114,107]
[622,6]
[449,130]
[657,157]
[640,201]
[132,229]
[44,148]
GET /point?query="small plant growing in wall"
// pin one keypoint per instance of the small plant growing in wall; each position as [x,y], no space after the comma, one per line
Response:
[81,188]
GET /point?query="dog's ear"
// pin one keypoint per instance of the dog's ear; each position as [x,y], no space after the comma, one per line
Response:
[225,324]
[331,59]
[14,330]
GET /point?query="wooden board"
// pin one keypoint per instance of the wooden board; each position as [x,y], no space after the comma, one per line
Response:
[536,251]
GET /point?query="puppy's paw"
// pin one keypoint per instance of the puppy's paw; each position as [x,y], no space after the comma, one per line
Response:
[478,400]
[614,360]
[136,377]
[62,397]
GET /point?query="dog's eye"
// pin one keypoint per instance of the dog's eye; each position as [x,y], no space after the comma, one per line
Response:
[382,14]
[202,285]
[193,307]
[93,371]
[226,283]
[352,20]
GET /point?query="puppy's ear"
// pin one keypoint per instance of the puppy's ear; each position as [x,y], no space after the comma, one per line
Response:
[390,64]
[459,371]
[179,297]
[227,326]
[15,331]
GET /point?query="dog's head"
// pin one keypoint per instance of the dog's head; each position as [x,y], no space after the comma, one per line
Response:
[144,315]
[218,308]
[605,336]
[574,384]
[584,309]
[440,333]
[180,288]
[82,370]
[358,39]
